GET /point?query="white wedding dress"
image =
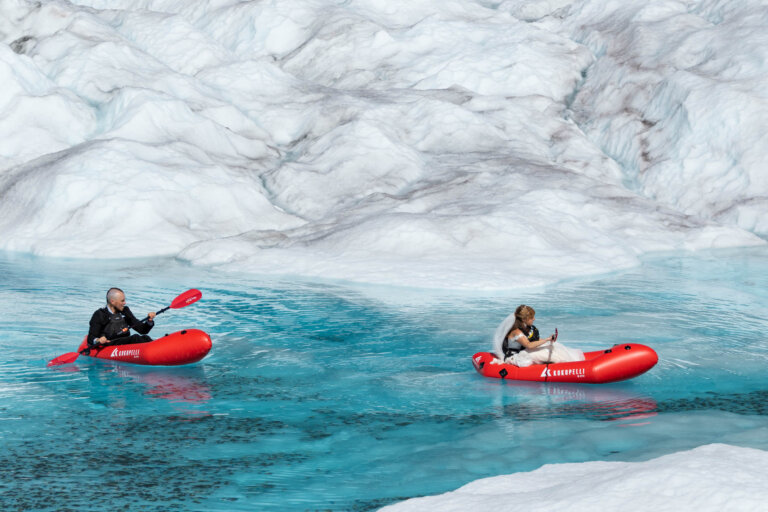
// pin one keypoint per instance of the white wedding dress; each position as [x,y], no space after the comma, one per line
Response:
[549,352]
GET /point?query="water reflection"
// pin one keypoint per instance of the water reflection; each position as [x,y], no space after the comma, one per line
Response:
[173,384]
[536,400]
[108,378]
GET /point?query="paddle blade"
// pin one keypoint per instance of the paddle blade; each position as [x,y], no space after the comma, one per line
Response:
[67,358]
[186,298]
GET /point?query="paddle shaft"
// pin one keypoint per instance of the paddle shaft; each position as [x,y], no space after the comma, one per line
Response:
[166,308]
[552,345]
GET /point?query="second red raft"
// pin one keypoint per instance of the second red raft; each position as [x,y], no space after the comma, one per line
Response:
[619,362]
[182,347]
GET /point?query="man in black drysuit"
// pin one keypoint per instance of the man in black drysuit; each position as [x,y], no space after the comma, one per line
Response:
[110,324]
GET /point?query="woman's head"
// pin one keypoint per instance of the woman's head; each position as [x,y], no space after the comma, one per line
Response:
[525,313]
[524,316]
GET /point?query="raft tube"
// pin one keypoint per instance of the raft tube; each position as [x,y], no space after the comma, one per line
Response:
[182,347]
[619,362]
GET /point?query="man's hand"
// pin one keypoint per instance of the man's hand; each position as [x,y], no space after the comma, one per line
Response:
[151,316]
[101,341]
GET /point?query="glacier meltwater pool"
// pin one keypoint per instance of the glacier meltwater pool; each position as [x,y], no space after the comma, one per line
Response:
[333,396]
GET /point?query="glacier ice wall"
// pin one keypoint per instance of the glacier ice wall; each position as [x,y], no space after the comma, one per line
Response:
[449,144]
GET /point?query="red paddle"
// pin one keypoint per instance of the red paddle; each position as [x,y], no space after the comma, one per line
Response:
[182,301]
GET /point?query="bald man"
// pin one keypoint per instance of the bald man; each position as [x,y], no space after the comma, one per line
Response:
[110,325]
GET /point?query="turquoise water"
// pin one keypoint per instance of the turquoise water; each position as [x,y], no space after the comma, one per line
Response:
[330,396]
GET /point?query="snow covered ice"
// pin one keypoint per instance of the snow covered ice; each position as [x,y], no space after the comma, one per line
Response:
[692,480]
[457,144]
[477,145]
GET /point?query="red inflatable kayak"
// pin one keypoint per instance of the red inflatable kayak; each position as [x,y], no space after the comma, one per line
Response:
[619,362]
[182,347]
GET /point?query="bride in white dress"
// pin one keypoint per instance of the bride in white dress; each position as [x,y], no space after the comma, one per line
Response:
[517,341]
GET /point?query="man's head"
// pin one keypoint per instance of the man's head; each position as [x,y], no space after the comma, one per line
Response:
[116,299]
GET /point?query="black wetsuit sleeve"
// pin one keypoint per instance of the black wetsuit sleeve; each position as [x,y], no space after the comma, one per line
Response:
[136,324]
[98,322]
